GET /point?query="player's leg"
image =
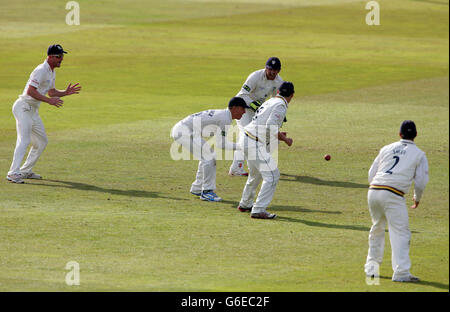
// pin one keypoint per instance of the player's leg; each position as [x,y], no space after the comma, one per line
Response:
[195,146]
[237,166]
[196,186]
[249,192]
[270,176]
[39,141]
[23,115]
[208,168]
[400,236]
[375,200]
[249,147]
[184,137]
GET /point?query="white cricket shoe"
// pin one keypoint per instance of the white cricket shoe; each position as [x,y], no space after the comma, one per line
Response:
[407,279]
[31,175]
[15,178]
[372,269]
[263,215]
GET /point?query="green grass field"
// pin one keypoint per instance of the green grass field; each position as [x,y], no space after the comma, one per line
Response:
[114,201]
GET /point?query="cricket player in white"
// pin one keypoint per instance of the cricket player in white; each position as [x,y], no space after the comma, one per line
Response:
[30,128]
[190,132]
[259,85]
[259,136]
[390,176]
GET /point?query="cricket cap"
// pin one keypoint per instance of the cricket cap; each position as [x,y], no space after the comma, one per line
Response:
[55,49]
[286,89]
[408,129]
[273,63]
[237,101]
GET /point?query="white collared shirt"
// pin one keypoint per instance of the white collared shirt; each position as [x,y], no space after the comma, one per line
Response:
[43,79]
[398,165]
[268,120]
[258,88]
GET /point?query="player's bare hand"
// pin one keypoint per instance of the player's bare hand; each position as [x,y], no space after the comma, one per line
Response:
[416,204]
[289,141]
[75,89]
[55,101]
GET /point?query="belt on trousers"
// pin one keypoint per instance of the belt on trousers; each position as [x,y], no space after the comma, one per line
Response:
[387,188]
[251,136]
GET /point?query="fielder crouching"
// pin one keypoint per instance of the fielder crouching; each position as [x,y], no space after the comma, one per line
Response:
[190,133]
[260,137]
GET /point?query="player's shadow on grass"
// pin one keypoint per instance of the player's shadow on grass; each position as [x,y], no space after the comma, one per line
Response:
[329,225]
[425,283]
[317,181]
[286,208]
[89,187]
[326,225]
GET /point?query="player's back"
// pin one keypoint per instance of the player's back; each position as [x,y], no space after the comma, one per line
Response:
[206,122]
[397,163]
[270,114]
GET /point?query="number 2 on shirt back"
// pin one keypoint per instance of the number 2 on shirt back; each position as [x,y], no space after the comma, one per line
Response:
[397,159]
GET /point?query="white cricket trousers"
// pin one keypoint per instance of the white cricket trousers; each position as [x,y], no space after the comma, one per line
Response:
[30,129]
[239,156]
[386,206]
[205,178]
[261,167]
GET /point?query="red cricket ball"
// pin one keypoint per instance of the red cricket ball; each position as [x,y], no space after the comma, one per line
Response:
[327,157]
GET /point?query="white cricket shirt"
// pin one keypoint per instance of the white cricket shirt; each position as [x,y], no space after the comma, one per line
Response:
[398,165]
[258,88]
[208,122]
[268,120]
[43,79]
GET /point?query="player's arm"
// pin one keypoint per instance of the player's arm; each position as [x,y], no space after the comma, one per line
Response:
[276,120]
[282,136]
[75,89]
[247,88]
[374,168]
[420,181]
[33,92]
[221,139]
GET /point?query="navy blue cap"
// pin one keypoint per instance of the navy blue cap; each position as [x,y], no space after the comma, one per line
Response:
[273,63]
[286,88]
[237,101]
[55,49]
[408,129]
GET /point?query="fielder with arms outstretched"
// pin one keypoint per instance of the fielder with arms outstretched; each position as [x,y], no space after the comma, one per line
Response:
[30,128]
[390,176]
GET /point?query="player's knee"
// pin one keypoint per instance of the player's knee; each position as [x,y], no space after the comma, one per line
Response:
[44,141]
[377,230]
[276,175]
[209,163]
[272,176]
[23,142]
